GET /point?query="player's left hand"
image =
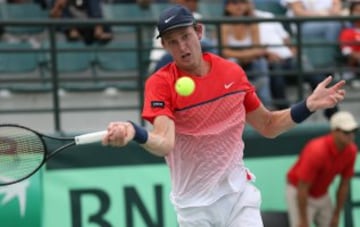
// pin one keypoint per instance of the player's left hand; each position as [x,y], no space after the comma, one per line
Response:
[324,97]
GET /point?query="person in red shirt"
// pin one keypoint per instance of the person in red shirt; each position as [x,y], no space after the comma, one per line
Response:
[350,45]
[200,136]
[321,160]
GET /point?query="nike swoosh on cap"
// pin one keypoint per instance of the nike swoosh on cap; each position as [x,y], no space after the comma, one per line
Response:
[169,19]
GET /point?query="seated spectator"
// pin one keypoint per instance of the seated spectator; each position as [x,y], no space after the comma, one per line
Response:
[82,10]
[328,31]
[281,56]
[241,42]
[158,55]
[350,46]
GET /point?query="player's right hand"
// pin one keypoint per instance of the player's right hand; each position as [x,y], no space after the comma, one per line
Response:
[118,134]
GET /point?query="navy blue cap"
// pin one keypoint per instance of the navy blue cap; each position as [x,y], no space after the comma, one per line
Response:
[174,17]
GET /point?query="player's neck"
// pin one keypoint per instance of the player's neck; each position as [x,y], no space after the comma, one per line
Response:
[202,69]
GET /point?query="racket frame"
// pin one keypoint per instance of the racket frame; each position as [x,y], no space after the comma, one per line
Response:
[46,152]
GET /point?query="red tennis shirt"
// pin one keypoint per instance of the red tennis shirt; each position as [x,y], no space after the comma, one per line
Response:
[320,161]
[206,162]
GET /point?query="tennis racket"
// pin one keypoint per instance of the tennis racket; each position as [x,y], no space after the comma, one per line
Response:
[23,151]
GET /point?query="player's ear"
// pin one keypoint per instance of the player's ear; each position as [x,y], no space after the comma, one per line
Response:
[199,29]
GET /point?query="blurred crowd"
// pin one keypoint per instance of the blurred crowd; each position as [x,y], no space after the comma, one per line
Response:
[266,50]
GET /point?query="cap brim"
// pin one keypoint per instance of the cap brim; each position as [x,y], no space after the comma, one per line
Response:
[348,127]
[175,26]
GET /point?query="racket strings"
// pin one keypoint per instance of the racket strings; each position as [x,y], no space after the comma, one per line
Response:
[21,152]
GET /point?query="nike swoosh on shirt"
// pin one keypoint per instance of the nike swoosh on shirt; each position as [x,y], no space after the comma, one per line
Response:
[227,86]
[169,19]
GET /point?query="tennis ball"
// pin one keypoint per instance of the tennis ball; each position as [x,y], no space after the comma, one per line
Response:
[185,86]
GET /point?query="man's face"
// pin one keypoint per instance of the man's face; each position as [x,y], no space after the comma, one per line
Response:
[238,7]
[345,137]
[184,46]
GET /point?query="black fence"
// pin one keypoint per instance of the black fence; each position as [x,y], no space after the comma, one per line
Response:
[141,37]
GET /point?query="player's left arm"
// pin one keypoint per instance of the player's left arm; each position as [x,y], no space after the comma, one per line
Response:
[272,123]
[341,197]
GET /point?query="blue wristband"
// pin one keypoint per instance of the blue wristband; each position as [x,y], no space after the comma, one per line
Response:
[299,112]
[141,134]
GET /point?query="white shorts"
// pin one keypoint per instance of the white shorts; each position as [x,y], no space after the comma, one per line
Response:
[233,210]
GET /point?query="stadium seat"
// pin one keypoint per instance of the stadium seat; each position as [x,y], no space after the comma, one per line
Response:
[122,62]
[17,62]
[75,63]
[275,218]
[320,55]
[22,64]
[122,58]
[69,60]
[211,10]
[23,11]
[156,8]
[128,12]
[274,7]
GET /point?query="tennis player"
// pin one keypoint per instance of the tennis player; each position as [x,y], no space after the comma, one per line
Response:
[200,135]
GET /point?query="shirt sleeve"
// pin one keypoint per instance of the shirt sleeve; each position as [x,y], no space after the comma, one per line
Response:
[157,98]
[281,30]
[251,101]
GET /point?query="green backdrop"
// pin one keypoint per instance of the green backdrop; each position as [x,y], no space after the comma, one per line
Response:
[94,186]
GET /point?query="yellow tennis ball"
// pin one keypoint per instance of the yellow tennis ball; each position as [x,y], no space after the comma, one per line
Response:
[185,86]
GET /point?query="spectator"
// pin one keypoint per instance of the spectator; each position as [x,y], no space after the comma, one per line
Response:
[82,10]
[158,55]
[241,44]
[327,31]
[350,46]
[281,56]
[321,159]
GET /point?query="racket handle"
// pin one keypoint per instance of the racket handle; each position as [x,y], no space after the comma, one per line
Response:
[90,137]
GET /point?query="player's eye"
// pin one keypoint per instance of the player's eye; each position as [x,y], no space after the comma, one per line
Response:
[172,42]
[185,36]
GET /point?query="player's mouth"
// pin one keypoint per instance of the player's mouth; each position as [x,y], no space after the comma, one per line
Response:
[186,56]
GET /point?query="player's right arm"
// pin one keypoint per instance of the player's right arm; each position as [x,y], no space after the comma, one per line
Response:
[161,138]
[159,141]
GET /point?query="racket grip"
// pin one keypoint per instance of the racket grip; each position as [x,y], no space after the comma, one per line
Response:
[90,137]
